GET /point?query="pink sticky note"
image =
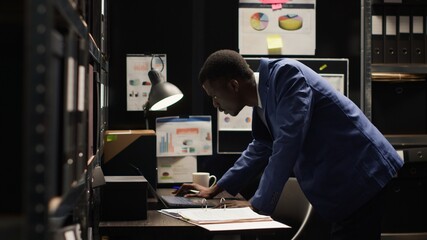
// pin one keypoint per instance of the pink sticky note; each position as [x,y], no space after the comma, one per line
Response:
[276,6]
[273,1]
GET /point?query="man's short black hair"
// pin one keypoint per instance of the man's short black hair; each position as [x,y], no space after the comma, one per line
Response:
[224,64]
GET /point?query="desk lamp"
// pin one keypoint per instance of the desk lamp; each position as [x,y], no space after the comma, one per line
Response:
[162,93]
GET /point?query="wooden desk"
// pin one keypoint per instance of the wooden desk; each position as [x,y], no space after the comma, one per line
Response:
[156,226]
[159,226]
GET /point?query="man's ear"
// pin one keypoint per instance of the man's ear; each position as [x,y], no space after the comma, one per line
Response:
[234,84]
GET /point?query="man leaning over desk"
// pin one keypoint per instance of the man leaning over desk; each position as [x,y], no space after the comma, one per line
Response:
[301,125]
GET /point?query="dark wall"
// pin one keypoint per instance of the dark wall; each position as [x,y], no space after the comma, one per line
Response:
[141,27]
[12,25]
[12,183]
[188,31]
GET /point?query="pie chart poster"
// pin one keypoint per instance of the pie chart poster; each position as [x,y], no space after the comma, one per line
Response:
[289,30]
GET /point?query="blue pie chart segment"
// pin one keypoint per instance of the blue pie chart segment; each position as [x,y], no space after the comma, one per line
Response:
[259,21]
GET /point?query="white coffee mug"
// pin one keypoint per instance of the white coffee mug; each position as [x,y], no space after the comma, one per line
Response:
[204,178]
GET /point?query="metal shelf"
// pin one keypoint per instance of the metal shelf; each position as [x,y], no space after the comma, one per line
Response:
[398,72]
[72,17]
[400,68]
[55,29]
[94,50]
[409,140]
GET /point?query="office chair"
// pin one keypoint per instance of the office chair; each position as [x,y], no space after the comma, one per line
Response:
[293,209]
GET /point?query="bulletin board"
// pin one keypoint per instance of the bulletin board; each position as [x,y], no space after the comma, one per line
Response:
[279,29]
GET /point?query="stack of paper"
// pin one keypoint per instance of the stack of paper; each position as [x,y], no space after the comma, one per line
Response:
[220,219]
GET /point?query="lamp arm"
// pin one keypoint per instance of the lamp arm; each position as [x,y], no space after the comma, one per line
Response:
[146,108]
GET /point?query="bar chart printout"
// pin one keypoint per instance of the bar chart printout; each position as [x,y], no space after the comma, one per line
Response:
[177,136]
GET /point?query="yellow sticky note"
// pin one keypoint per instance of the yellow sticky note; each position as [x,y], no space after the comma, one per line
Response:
[274,43]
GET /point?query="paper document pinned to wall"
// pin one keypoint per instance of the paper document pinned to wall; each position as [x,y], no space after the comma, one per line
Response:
[138,84]
[184,136]
[289,30]
[176,169]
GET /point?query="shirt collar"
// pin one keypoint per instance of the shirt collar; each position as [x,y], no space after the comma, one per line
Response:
[256,74]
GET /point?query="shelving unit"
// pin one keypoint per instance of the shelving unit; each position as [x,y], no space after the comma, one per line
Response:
[66,77]
[404,75]
[394,97]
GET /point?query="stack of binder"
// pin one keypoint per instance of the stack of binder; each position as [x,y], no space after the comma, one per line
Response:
[399,33]
[418,36]
[390,34]
[404,37]
[377,36]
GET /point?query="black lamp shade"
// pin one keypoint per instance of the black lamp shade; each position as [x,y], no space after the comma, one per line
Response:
[162,93]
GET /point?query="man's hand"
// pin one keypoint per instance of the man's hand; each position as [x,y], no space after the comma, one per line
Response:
[196,190]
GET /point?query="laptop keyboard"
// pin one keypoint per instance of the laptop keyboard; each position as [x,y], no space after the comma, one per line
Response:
[177,201]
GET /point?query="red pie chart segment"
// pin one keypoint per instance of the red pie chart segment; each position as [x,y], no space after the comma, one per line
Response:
[259,21]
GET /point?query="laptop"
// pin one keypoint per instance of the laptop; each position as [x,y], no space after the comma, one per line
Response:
[172,201]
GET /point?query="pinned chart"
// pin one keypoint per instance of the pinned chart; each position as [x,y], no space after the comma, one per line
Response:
[183,136]
[259,21]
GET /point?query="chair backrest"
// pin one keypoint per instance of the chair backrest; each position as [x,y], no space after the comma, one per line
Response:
[293,208]
[404,236]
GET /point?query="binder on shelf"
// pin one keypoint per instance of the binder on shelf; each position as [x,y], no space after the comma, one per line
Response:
[404,38]
[418,39]
[377,36]
[390,35]
[91,146]
[70,110]
[82,98]
[54,118]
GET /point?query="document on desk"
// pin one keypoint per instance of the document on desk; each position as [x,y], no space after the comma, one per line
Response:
[245,226]
[224,219]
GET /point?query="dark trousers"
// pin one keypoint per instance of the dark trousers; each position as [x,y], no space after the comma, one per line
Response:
[363,224]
